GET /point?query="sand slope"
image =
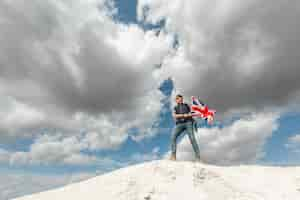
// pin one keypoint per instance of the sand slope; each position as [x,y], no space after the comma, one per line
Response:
[169,180]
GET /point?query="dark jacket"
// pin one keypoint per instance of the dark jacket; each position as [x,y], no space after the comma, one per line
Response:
[182,108]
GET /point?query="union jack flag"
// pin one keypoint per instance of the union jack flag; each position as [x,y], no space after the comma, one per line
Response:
[199,109]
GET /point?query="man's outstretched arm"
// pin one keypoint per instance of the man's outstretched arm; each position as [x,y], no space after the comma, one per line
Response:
[186,115]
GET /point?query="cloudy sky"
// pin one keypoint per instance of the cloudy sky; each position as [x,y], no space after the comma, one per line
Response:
[87,87]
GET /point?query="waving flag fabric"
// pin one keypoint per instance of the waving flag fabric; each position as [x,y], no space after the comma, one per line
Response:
[199,109]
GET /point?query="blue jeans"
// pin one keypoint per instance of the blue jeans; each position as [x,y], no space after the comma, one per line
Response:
[181,127]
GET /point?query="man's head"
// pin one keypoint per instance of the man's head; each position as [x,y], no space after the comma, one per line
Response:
[179,98]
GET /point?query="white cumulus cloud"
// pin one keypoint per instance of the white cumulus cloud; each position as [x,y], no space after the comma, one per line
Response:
[240,142]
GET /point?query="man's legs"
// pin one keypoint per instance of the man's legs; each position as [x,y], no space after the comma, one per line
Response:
[178,130]
[190,131]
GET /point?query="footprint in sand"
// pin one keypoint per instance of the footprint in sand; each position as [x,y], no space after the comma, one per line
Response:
[201,175]
[298,184]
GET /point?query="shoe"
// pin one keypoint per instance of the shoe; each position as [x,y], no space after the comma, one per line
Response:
[173,157]
[198,159]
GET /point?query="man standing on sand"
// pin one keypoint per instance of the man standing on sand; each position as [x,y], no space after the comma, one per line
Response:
[184,121]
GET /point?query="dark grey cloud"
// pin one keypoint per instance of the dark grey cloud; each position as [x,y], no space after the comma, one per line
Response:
[66,65]
[236,55]
[277,78]
[107,76]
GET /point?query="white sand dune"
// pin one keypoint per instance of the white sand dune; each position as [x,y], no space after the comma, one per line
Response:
[169,180]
